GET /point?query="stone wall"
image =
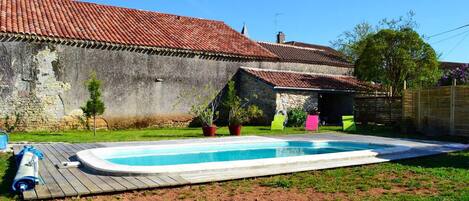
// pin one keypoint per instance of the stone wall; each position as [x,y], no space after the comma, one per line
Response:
[271,100]
[258,93]
[288,99]
[45,83]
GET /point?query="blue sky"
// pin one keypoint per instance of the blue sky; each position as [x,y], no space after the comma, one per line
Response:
[322,21]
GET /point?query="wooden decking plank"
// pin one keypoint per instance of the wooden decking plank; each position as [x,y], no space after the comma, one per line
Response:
[93,183]
[180,180]
[124,182]
[148,182]
[156,180]
[74,181]
[136,182]
[103,182]
[29,195]
[42,192]
[118,184]
[54,189]
[57,176]
[169,181]
[64,155]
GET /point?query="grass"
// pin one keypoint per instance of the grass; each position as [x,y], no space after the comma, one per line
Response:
[442,177]
[146,134]
[7,173]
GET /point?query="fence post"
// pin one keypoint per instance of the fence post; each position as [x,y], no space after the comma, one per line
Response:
[451,107]
[419,91]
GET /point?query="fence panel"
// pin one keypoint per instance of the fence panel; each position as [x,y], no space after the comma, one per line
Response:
[378,109]
[438,111]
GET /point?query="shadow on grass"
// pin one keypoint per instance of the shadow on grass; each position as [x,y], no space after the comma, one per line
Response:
[44,134]
[171,135]
[7,179]
[384,131]
[459,160]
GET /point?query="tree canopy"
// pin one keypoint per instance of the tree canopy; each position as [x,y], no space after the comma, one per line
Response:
[390,53]
[391,56]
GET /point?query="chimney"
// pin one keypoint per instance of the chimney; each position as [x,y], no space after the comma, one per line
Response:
[244,31]
[280,37]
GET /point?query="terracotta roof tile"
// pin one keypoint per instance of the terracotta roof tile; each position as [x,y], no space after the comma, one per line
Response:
[306,53]
[68,19]
[286,79]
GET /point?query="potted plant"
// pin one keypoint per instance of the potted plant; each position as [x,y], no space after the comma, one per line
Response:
[205,108]
[239,111]
[207,115]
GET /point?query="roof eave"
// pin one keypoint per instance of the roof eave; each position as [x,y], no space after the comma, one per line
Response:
[315,89]
[5,36]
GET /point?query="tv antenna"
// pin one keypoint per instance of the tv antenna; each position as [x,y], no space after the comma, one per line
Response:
[276,20]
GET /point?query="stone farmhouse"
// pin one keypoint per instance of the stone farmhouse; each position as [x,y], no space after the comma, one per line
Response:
[48,48]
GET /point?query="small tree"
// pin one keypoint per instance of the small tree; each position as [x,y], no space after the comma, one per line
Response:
[204,103]
[94,106]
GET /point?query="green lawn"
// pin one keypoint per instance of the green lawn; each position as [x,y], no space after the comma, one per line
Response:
[443,177]
[146,134]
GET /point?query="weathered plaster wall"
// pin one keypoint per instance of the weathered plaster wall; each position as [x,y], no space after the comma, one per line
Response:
[29,85]
[45,82]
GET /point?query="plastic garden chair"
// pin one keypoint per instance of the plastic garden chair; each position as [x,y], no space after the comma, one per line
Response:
[278,122]
[3,140]
[312,123]
[348,123]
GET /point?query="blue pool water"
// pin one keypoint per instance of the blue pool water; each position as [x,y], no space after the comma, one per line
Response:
[189,154]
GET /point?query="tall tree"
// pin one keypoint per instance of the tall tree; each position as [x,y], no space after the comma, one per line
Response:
[391,56]
[94,106]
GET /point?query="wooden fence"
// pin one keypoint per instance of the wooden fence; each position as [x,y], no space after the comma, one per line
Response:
[378,109]
[438,111]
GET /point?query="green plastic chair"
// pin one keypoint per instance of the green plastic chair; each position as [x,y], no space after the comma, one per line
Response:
[277,123]
[348,123]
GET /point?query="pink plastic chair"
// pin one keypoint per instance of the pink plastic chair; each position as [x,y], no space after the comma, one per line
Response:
[312,123]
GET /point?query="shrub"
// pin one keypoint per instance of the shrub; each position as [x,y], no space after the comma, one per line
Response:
[7,122]
[296,117]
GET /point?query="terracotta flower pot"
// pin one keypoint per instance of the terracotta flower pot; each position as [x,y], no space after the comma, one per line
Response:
[209,131]
[235,129]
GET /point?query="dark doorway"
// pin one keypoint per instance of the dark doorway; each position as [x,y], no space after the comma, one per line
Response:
[333,106]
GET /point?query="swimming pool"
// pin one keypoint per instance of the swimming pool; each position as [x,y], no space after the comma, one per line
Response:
[156,159]
[230,152]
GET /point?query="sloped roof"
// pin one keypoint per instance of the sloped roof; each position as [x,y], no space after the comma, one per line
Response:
[68,19]
[306,53]
[308,81]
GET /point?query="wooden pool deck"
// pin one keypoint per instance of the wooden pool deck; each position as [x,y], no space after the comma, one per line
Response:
[74,182]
